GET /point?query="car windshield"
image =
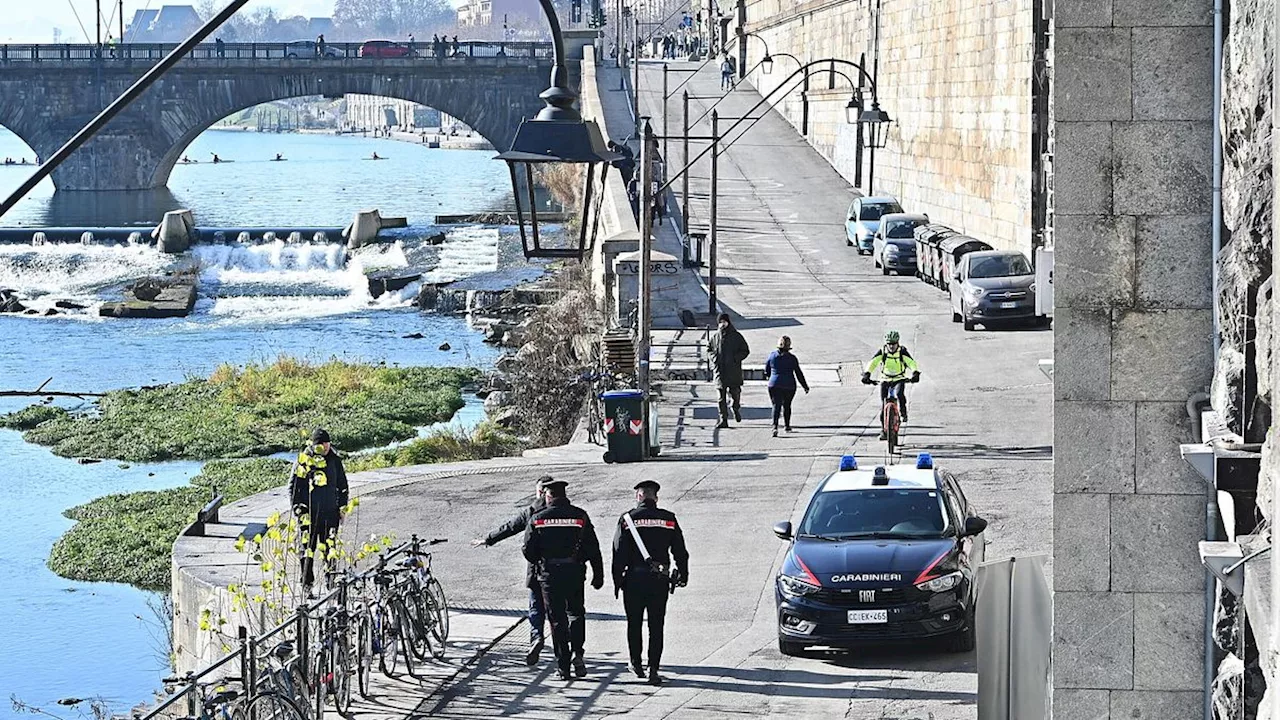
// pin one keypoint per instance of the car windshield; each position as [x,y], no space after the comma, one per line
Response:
[902,230]
[876,513]
[874,211]
[999,266]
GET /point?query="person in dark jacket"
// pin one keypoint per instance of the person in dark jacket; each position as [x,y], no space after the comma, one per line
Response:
[728,349]
[318,492]
[560,541]
[512,527]
[646,582]
[783,371]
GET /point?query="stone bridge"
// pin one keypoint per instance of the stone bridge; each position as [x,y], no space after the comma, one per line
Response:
[47,93]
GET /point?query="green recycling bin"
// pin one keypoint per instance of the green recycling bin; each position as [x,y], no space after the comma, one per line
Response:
[624,426]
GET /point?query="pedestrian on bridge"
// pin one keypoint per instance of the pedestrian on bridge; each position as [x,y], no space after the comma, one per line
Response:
[784,373]
[512,527]
[561,541]
[320,45]
[727,349]
[645,542]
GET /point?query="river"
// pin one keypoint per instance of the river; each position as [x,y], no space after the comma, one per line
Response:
[72,639]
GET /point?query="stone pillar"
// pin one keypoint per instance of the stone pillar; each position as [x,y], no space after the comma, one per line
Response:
[1133,96]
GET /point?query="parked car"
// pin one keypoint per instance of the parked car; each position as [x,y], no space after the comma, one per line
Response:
[893,247]
[881,555]
[385,49]
[307,49]
[863,220]
[990,286]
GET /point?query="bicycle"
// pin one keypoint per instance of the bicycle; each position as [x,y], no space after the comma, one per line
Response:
[226,704]
[428,600]
[285,677]
[891,414]
[332,666]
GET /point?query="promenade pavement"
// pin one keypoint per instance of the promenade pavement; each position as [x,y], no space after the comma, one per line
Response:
[982,408]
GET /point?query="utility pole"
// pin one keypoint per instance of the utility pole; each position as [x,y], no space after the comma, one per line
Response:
[715,164]
[648,147]
[875,82]
[635,62]
[666,158]
[120,9]
[684,160]
[97,17]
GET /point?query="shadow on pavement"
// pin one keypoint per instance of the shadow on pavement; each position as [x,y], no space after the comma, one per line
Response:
[971,451]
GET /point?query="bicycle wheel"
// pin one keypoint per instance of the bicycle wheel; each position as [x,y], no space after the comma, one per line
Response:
[340,680]
[440,611]
[386,635]
[891,426]
[300,690]
[271,705]
[321,672]
[364,653]
[408,635]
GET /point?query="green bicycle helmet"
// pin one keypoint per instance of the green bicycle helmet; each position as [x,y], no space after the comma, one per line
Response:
[891,337]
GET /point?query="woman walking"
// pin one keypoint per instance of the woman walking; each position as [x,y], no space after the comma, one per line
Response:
[784,373]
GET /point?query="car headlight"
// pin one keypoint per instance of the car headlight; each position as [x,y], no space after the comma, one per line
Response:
[941,584]
[891,249]
[796,587]
[975,292]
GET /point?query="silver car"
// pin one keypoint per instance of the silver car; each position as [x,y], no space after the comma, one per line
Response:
[893,248]
[990,286]
[863,220]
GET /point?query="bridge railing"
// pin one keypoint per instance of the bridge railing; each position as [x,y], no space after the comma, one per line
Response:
[296,51]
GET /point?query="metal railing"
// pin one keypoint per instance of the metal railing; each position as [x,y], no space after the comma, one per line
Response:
[293,51]
[250,651]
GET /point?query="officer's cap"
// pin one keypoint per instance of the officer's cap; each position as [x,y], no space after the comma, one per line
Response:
[550,483]
[648,484]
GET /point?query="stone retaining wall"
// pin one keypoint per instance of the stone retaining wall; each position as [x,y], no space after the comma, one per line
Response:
[956,79]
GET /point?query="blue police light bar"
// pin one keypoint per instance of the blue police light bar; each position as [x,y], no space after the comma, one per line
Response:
[848,462]
[924,461]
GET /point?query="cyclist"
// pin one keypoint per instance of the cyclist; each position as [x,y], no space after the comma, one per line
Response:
[893,360]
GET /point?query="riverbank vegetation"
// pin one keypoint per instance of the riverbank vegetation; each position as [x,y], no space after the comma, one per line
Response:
[254,411]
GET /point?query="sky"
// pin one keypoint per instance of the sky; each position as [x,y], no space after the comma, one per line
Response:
[31,21]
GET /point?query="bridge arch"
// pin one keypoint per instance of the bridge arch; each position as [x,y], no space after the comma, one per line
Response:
[139,148]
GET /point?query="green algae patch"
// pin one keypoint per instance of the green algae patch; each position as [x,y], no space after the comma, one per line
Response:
[29,417]
[442,445]
[258,410]
[128,537]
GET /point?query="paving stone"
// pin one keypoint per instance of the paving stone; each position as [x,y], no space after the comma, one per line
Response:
[1172,67]
[1148,13]
[1168,652]
[1095,261]
[1155,705]
[1093,640]
[1071,704]
[1161,354]
[1154,541]
[1082,353]
[1174,266]
[1094,447]
[1082,168]
[1082,541]
[1092,71]
[1082,13]
[1161,428]
[1161,168]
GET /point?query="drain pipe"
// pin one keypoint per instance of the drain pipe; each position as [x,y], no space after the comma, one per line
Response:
[1195,405]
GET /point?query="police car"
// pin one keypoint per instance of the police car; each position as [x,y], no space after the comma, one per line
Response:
[884,553]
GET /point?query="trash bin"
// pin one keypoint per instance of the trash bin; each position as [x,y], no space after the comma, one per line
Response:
[927,239]
[954,248]
[624,426]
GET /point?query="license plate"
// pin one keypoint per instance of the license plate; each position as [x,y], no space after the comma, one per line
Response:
[1008,305]
[868,616]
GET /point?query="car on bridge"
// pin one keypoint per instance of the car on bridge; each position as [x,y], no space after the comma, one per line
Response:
[308,49]
[992,286]
[385,49]
[881,554]
[893,247]
[863,220]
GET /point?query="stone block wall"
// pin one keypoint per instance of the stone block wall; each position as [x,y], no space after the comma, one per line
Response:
[956,79]
[1132,99]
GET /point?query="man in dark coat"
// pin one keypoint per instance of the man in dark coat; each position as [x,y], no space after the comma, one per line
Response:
[318,492]
[646,581]
[560,542]
[512,527]
[727,349]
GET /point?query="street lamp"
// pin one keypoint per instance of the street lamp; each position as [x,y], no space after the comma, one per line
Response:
[556,135]
[875,121]
[766,64]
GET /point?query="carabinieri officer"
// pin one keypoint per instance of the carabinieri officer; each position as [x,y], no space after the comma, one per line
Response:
[560,541]
[646,540]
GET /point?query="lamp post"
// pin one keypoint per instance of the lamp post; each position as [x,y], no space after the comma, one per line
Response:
[557,134]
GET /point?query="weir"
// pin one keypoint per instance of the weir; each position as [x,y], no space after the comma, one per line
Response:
[142,235]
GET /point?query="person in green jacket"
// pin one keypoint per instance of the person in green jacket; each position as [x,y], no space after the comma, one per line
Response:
[727,349]
[893,361]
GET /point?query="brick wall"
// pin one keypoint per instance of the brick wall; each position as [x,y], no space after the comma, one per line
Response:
[956,79]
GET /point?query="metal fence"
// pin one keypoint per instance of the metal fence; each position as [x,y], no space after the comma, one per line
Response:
[308,51]
[243,665]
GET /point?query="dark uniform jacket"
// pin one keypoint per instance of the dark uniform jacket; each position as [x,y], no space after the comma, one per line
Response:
[728,349]
[662,536]
[515,526]
[318,483]
[559,537]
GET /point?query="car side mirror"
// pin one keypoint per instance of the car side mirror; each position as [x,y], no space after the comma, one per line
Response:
[955,274]
[782,530]
[974,526]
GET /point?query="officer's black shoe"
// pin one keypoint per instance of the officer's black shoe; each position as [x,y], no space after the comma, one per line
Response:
[638,669]
[531,658]
[737,414]
[655,678]
[564,675]
[579,667]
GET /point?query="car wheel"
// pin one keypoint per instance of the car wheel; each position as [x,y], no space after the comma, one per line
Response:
[884,269]
[608,457]
[790,649]
[955,317]
[848,242]
[1044,321]
[965,640]
[969,324]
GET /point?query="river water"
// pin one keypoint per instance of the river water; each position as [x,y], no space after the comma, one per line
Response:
[71,639]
